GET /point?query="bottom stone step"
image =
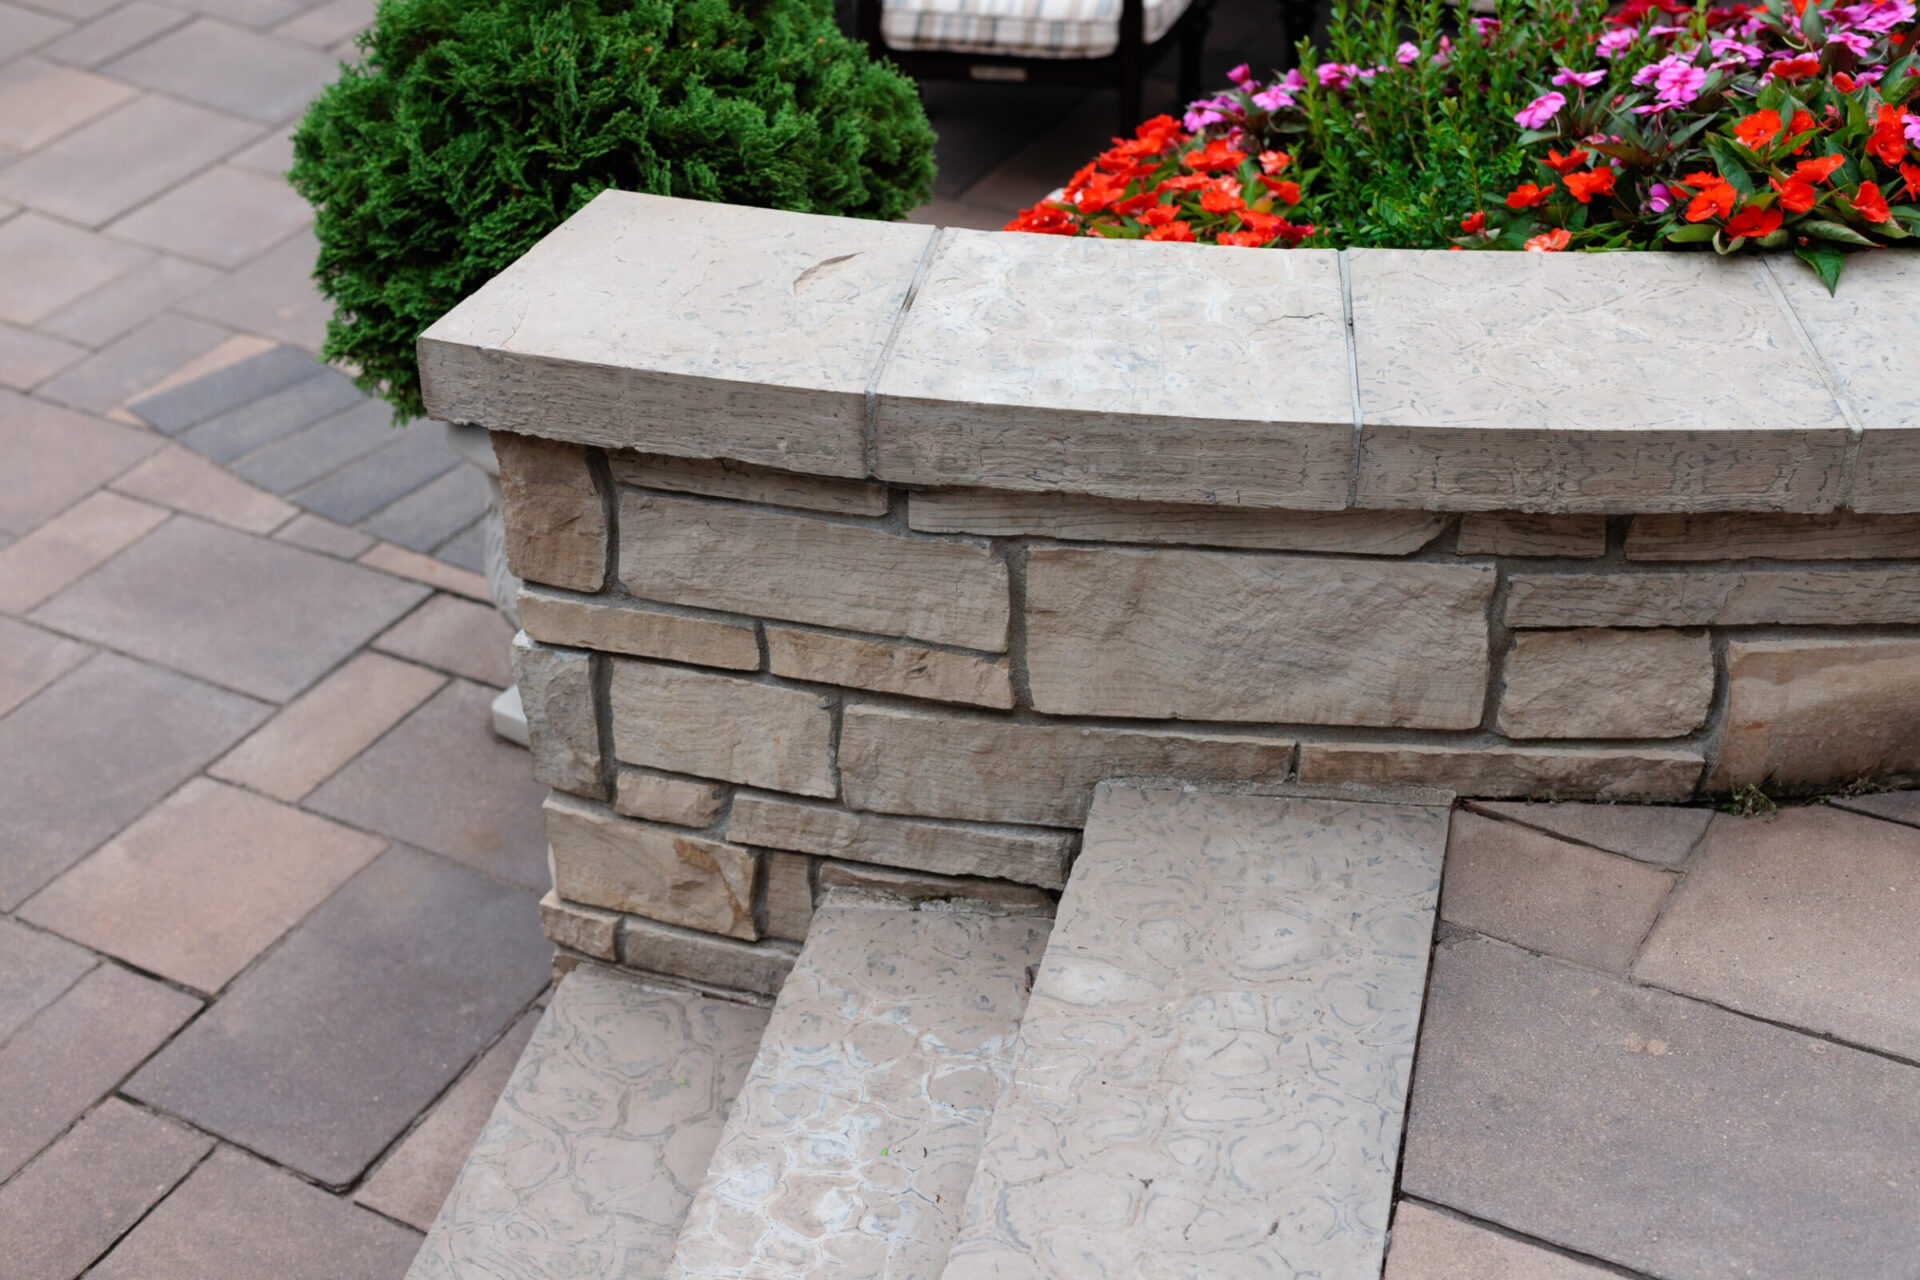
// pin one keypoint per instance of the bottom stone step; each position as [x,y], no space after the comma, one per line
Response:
[593,1154]
[1211,1077]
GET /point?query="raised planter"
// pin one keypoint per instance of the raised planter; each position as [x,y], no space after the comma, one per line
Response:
[857,542]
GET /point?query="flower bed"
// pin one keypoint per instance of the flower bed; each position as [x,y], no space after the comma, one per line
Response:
[1545,128]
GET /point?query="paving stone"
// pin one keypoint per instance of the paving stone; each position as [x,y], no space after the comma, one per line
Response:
[327,726]
[912,671]
[556,520]
[1203,635]
[1748,535]
[272,155]
[1894,806]
[242,1217]
[645,633]
[434,512]
[685,802]
[315,1058]
[443,781]
[1026,854]
[317,533]
[255,615]
[265,437]
[1430,1245]
[922,886]
[1600,773]
[236,386]
[601,1137]
[130,155]
[685,721]
[221,66]
[1819,712]
[113,33]
[1661,834]
[74,10]
[93,751]
[1547,895]
[28,358]
[556,689]
[715,478]
[1728,598]
[414,567]
[1659,1134]
[1604,683]
[121,305]
[1211,1073]
[707,960]
[252,13]
[179,478]
[272,295]
[70,545]
[129,365]
[582,929]
[45,265]
[467,549]
[69,1206]
[454,635]
[57,458]
[1510,533]
[390,472]
[603,860]
[57,1066]
[224,217]
[35,969]
[40,101]
[202,884]
[787,898]
[413,1182]
[1802,919]
[327,24]
[23,29]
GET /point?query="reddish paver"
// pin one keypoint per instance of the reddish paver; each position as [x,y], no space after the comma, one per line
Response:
[1432,1245]
[31,659]
[455,635]
[1657,833]
[182,479]
[54,556]
[35,970]
[56,457]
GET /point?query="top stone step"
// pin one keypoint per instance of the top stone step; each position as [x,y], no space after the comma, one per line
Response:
[1211,1076]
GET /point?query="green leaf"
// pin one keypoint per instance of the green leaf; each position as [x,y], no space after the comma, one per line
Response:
[1691,233]
[1820,229]
[1726,155]
[1812,27]
[1825,260]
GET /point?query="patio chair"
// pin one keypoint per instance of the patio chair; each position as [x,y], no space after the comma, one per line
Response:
[1096,43]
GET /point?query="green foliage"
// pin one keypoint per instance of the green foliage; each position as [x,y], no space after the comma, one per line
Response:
[471,128]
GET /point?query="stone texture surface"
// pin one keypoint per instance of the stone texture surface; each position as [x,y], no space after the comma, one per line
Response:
[316,1058]
[40,101]
[1729,598]
[461,636]
[1212,1071]
[714,478]
[203,883]
[1746,535]
[48,264]
[528,353]
[993,383]
[64,456]
[1083,518]
[998,771]
[605,860]
[120,160]
[1661,834]
[912,671]
[35,968]
[1547,895]
[1511,533]
[642,632]
[722,727]
[1721,409]
[224,217]
[582,929]
[1776,1154]
[787,901]
[685,802]
[228,68]
[702,958]
[1601,773]
[1806,712]
[181,479]
[1805,920]
[1005,853]
[69,546]
[556,518]
[921,886]
[1894,806]
[69,1206]
[31,659]
[1198,635]
[1600,683]
[853,1140]
[808,569]
[556,690]
[596,1147]
[1429,1245]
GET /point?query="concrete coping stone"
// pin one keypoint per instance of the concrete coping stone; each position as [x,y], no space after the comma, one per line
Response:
[1310,380]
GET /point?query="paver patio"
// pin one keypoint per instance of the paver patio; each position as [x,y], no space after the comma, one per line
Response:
[269,937]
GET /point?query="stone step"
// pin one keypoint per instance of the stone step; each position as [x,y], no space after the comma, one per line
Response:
[1211,1076]
[593,1153]
[851,1146]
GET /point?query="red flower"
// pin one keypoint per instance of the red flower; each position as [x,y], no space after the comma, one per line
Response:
[1817,170]
[1753,221]
[1714,198]
[1044,219]
[1159,216]
[1549,241]
[1801,123]
[1910,174]
[1758,129]
[1274,162]
[1844,82]
[1791,69]
[1566,164]
[1527,195]
[1284,190]
[1176,231]
[1217,154]
[1182,182]
[1098,193]
[1870,204]
[1594,182]
[1222,195]
[1796,196]
[1889,140]
[1242,239]
[1474,223]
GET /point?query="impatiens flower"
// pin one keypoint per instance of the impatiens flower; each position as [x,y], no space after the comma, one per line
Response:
[1241,75]
[1913,126]
[1910,174]
[1294,81]
[1222,195]
[1680,84]
[1549,241]
[1337,75]
[1217,154]
[1181,182]
[1537,113]
[1796,195]
[1198,118]
[1722,47]
[1283,191]
[1159,215]
[1713,196]
[1272,162]
[1044,219]
[1273,99]
[1801,124]
[1752,221]
[1659,198]
[1176,231]
[1817,170]
[1888,142]
[1858,44]
[1527,195]
[1567,163]
[1758,129]
[1407,54]
[1240,239]
[1595,182]
[1474,223]
[1616,42]
[1870,204]
[1585,79]
[1844,82]
[1794,69]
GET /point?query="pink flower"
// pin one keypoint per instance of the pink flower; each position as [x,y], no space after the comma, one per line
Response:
[1723,47]
[1911,127]
[1407,54]
[1877,16]
[1585,79]
[1659,199]
[1656,108]
[1615,42]
[1241,75]
[1293,81]
[1274,99]
[1852,40]
[1537,113]
[1680,85]
[1199,117]
[1337,75]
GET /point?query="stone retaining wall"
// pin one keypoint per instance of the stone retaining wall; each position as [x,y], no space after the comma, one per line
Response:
[1651,550]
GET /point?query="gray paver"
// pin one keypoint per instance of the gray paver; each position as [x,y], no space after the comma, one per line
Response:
[318,534]
[209,62]
[225,217]
[39,101]
[272,295]
[252,13]
[1661,1134]
[252,614]
[1656,833]
[434,512]
[134,363]
[56,457]
[361,488]
[315,451]
[58,1065]
[272,155]
[28,358]
[327,24]
[70,1205]
[44,265]
[274,419]
[113,33]
[234,387]
[123,304]
[32,659]
[1894,806]
[23,29]
[1807,919]
[237,1218]
[93,751]
[318,1057]
[35,968]
[467,550]
[443,781]
[1430,1245]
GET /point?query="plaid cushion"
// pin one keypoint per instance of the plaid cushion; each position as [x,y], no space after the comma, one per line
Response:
[1022,28]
